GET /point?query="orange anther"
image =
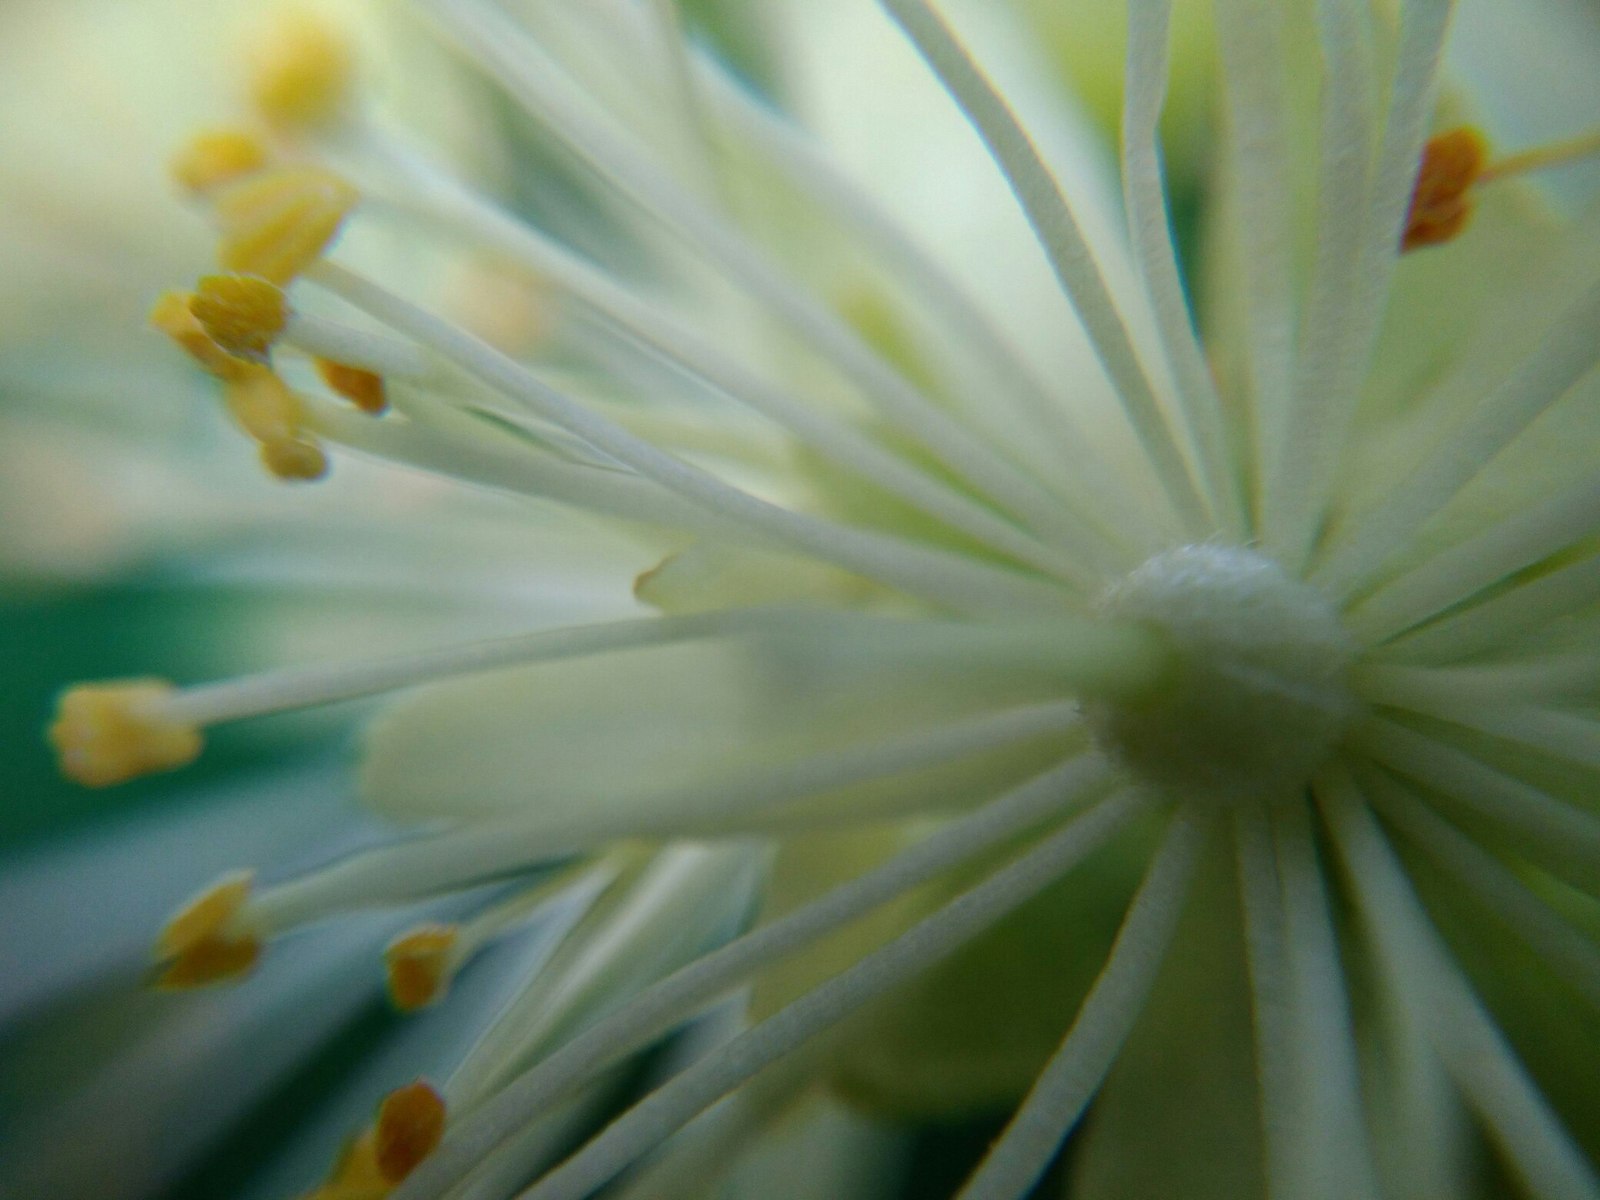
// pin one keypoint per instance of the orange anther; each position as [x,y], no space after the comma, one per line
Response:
[202,942]
[364,389]
[418,966]
[1441,202]
[410,1125]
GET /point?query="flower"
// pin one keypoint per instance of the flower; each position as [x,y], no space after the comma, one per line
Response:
[1149,734]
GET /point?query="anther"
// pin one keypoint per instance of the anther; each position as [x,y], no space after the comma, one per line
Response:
[108,733]
[410,1124]
[1442,201]
[364,389]
[267,410]
[1456,163]
[243,314]
[205,942]
[419,965]
[277,222]
[173,315]
[302,72]
[218,156]
[355,1176]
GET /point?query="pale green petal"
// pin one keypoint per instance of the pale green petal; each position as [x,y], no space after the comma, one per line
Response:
[640,732]
[1178,1116]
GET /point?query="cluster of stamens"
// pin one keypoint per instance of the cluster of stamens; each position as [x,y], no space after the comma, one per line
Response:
[1254,697]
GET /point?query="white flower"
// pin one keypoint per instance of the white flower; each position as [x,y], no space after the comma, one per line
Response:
[1128,718]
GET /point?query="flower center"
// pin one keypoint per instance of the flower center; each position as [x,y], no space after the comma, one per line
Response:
[1258,700]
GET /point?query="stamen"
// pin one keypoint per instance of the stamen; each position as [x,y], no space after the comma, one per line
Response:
[1064,454]
[419,965]
[622,927]
[410,1124]
[361,349]
[108,733]
[1442,203]
[1267,963]
[540,85]
[173,315]
[662,334]
[1565,949]
[243,314]
[217,156]
[1075,1071]
[362,388]
[952,581]
[752,800]
[1332,1129]
[1423,977]
[208,940]
[270,413]
[698,1086]
[1496,622]
[1559,837]
[1055,792]
[1557,154]
[1063,241]
[303,72]
[277,222]
[1564,356]
[355,1176]
[1150,232]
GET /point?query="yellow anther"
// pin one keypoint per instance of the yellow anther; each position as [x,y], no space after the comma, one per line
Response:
[270,413]
[302,72]
[410,1124]
[108,733]
[355,1176]
[294,461]
[419,966]
[217,156]
[173,315]
[1442,201]
[362,388]
[205,941]
[278,222]
[243,314]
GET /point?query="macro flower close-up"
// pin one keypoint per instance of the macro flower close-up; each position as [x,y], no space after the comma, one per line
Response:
[800,598]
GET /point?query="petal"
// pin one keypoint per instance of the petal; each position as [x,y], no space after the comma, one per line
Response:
[630,732]
[1178,1115]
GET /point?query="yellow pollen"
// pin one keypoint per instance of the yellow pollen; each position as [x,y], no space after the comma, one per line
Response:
[173,315]
[418,966]
[216,156]
[243,314]
[108,733]
[277,222]
[410,1125]
[204,942]
[302,72]
[362,388]
[269,412]
[1442,202]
